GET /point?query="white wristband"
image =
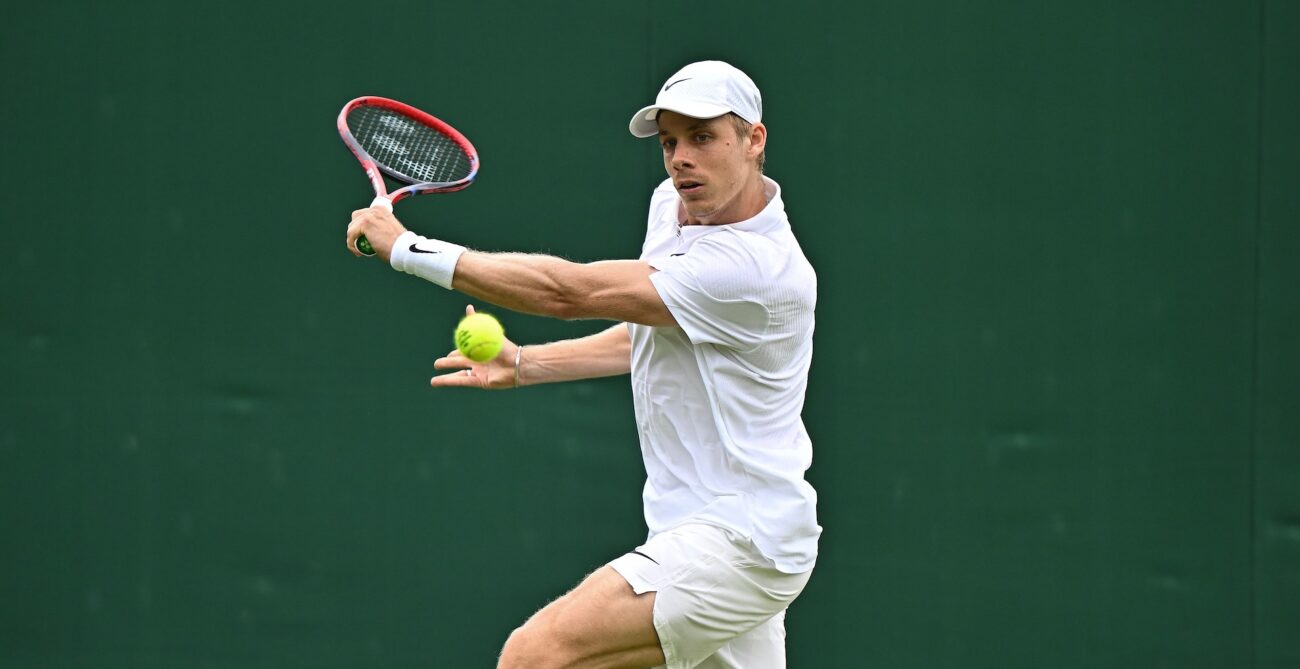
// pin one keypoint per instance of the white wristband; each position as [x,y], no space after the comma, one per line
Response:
[430,259]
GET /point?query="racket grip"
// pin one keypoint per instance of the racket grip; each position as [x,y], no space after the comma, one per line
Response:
[363,244]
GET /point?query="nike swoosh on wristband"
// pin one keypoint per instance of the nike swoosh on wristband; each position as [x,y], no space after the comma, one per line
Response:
[416,249]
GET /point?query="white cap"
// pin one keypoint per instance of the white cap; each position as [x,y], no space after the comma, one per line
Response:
[706,89]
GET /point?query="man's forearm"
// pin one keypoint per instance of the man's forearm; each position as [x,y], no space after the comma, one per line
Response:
[606,353]
[531,284]
[616,290]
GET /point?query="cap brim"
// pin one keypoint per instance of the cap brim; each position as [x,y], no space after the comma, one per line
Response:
[645,123]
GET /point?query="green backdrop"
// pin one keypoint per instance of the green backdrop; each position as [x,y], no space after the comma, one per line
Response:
[1054,400]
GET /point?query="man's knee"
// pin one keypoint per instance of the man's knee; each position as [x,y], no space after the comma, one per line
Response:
[517,652]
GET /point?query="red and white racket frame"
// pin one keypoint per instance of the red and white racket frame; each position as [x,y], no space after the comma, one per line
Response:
[375,171]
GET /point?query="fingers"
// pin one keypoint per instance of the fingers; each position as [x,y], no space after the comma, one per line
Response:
[362,220]
[379,227]
[469,310]
[354,231]
[465,373]
[378,211]
[463,379]
[462,374]
[356,228]
[453,360]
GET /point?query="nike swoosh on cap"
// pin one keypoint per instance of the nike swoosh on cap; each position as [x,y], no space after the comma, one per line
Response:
[677,82]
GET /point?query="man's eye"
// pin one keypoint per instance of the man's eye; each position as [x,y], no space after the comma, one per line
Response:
[701,138]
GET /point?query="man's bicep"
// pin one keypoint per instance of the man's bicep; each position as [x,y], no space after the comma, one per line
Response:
[621,290]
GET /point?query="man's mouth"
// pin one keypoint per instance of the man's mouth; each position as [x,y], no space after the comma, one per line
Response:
[688,186]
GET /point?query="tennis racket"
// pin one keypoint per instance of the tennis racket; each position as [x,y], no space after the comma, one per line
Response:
[408,145]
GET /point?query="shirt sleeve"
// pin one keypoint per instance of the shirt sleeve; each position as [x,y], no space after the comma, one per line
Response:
[715,292]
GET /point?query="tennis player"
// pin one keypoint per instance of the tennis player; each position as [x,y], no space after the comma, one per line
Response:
[714,324]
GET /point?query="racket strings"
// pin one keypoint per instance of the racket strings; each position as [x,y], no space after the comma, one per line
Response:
[407,147]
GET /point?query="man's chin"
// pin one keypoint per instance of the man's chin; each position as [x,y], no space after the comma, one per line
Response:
[698,208]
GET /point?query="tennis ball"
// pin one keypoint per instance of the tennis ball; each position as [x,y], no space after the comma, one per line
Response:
[479,337]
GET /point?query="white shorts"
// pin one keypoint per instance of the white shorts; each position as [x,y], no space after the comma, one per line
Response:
[719,603]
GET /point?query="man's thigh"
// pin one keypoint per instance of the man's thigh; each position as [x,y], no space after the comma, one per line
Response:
[600,624]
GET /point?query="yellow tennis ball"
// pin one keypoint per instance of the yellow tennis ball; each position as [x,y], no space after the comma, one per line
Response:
[479,337]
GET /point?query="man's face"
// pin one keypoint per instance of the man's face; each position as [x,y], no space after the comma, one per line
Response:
[710,165]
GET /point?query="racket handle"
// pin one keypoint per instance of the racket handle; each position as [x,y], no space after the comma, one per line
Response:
[363,244]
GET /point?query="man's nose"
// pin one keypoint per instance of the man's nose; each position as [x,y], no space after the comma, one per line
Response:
[682,158]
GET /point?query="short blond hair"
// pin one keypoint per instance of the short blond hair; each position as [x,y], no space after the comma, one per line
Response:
[743,129]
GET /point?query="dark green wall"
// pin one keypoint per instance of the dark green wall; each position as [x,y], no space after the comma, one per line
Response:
[1054,402]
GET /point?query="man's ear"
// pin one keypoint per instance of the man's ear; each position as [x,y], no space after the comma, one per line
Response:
[757,140]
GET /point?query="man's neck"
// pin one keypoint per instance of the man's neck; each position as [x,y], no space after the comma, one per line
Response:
[751,201]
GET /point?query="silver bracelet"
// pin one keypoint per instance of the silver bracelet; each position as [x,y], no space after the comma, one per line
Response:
[519,353]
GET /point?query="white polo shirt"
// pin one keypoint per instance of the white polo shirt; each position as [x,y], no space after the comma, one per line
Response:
[718,398]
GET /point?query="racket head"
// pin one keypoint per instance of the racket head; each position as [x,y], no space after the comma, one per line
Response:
[409,145]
